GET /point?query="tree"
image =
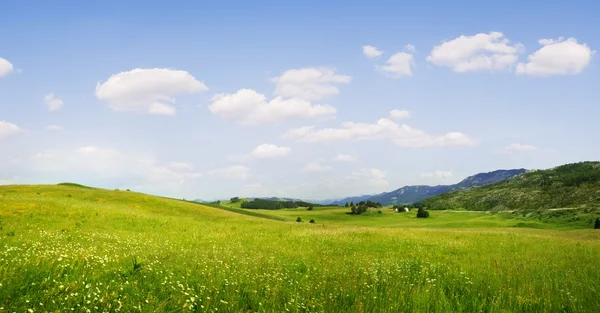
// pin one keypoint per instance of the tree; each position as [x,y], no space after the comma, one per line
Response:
[422,213]
[347,205]
[299,220]
[312,221]
[597,224]
[310,208]
[235,200]
[352,203]
[353,209]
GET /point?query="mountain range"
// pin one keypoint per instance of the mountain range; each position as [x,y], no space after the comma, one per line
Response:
[411,194]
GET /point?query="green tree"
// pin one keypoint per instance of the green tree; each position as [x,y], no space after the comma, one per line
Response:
[235,200]
[312,221]
[422,213]
[347,205]
[353,209]
[299,220]
[597,224]
[310,208]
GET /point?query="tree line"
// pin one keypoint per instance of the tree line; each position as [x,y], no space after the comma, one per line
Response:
[277,205]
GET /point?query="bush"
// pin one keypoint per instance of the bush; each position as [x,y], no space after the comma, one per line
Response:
[310,208]
[312,221]
[422,213]
[597,224]
[299,220]
[379,211]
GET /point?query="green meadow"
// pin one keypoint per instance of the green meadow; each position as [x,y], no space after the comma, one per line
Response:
[69,248]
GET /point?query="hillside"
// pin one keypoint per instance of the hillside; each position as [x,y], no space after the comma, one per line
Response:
[411,194]
[566,186]
[81,249]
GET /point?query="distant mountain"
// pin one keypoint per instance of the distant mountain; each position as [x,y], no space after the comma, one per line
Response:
[565,186]
[411,194]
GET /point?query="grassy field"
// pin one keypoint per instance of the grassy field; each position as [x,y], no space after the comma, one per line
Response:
[74,249]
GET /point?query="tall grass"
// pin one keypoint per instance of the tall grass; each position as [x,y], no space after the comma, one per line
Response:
[121,252]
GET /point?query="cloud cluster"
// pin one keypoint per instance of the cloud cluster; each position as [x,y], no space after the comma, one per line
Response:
[385,128]
[557,57]
[295,89]
[8,130]
[5,67]
[371,52]
[479,52]
[398,65]
[52,102]
[345,158]
[268,151]
[250,108]
[147,90]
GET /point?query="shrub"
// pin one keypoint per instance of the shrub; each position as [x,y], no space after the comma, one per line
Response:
[310,208]
[379,211]
[422,213]
[597,224]
[299,220]
[312,221]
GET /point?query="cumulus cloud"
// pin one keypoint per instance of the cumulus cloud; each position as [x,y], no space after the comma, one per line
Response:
[437,174]
[557,57]
[8,130]
[316,168]
[236,172]
[371,52]
[267,151]
[147,90]
[518,147]
[410,48]
[5,67]
[53,127]
[479,52]
[399,114]
[398,65]
[52,102]
[250,108]
[309,83]
[402,135]
[345,158]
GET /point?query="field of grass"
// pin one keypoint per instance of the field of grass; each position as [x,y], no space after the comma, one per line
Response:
[74,249]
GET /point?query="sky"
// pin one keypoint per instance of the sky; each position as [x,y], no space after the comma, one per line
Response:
[305,99]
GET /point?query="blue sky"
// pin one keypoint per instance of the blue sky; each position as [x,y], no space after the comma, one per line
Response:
[215,99]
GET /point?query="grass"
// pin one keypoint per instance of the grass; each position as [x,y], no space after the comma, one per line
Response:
[118,251]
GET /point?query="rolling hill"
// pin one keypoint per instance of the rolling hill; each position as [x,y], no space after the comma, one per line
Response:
[411,194]
[567,186]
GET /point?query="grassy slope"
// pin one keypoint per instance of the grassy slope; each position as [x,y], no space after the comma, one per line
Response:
[567,186]
[62,252]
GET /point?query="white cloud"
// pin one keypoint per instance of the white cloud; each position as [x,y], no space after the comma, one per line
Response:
[52,102]
[5,67]
[437,174]
[476,53]
[236,172]
[53,127]
[518,147]
[399,65]
[147,90]
[267,151]
[309,83]
[399,114]
[180,166]
[371,52]
[410,48]
[372,177]
[7,129]
[557,57]
[402,135]
[317,168]
[345,158]
[250,108]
